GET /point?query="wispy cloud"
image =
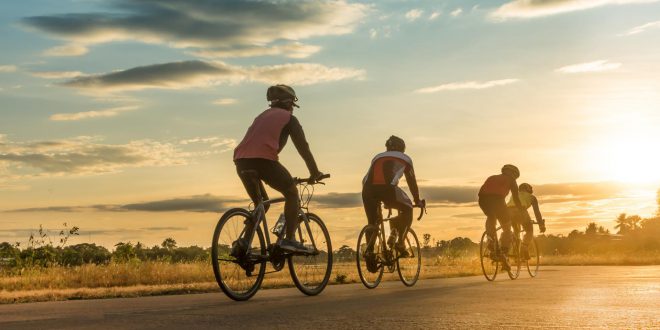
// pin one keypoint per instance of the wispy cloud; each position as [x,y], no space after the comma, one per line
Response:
[66,50]
[292,50]
[414,14]
[57,74]
[434,15]
[225,101]
[643,28]
[456,12]
[467,85]
[84,156]
[8,68]
[189,74]
[595,66]
[224,28]
[539,8]
[112,112]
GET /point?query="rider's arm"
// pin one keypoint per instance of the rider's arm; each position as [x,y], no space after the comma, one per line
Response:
[412,183]
[298,138]
[537,211]
[514,193]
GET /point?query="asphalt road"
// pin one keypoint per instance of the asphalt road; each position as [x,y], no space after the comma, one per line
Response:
[561,297]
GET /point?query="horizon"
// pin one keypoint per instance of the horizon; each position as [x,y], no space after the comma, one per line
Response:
[120,118]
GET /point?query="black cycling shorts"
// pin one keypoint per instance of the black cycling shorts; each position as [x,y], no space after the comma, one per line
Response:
[271,172]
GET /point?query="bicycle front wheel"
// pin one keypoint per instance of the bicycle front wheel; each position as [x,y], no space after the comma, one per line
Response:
[410,266]
[369,237]
[238,279]
[311,272]
[534,260]
[488,256]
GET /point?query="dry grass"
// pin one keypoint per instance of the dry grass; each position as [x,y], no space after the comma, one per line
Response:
[158,278]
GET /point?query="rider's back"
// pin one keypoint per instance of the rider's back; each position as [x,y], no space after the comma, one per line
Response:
[262,139]
[387,168]
[497,185]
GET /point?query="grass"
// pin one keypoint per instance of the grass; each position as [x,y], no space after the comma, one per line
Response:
[134,279]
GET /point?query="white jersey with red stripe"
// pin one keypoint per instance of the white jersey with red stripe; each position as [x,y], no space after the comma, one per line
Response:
[388,168]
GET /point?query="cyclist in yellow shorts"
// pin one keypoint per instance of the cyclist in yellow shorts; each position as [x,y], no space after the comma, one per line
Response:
[520,217]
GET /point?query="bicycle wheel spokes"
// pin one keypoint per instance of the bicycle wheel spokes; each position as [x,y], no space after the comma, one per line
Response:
[311,272]
[239,278]
[369,236]
[514,260]
[488,256]
[410,266]
[534,260]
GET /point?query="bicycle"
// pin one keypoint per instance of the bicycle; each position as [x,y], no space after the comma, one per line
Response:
[491,260]
[240,277]
[386,256]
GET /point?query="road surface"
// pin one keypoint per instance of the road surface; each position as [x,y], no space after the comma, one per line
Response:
[561,297]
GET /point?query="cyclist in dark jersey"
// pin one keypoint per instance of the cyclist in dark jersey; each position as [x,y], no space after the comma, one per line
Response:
[259,149]
[522,218]
[380,185]
[492,202]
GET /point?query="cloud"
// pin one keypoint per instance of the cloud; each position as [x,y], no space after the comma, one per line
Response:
[196,203]
[339,200]
[218,25]
[291,50]
[449,194]
[468,85]
[225,101]
[91,114]
[434,15]
[457,12]
[539,8]
[595,66]
[213,141]
[643,28]
[189,74]
[66,50]
[8,68]
[414,14]
[84,155]
[57,74]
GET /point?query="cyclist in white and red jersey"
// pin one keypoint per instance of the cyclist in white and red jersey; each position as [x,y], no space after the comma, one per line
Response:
[258,151]
[381,185]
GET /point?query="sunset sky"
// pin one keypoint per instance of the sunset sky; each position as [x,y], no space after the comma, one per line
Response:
[120,116]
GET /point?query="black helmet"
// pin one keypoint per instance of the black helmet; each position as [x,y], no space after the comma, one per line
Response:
[395,143]
[526,187]
[513,169]
[281,94]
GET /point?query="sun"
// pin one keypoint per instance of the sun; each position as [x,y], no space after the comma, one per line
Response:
[628,152]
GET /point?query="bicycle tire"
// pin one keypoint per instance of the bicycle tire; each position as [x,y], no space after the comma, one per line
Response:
[534,254]
[416,254]
[515,254]
[224,280]
[303,284]
[486,259]
[360,259]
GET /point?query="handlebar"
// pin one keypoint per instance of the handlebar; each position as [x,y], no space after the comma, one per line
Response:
[422,209]
[307,180]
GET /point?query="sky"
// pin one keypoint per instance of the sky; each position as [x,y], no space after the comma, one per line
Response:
[120,116]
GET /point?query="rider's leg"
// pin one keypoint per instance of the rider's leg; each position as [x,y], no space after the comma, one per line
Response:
[251,164]
[529,234]
[279,178]
[372,211]
[491,220]
[505,223]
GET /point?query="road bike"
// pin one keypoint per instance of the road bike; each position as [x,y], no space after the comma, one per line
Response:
[491,260]
[240,276]
[385,256]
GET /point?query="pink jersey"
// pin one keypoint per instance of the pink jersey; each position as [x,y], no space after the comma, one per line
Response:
[262,139]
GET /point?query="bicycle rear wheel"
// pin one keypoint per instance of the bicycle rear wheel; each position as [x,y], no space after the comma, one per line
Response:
[369,279]
[311,272]
[238,279]
[488,256]
[534,260]
[409,267]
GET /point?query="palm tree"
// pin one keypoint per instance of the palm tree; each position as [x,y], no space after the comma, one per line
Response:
[622,224]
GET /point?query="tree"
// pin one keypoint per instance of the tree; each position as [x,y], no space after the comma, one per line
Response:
[427,240]
[345,253]
[169,243]
[627,224]
[592,229]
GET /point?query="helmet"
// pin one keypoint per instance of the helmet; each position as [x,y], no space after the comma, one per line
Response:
[281,93]
[395,143]
[513,169]
[526,187]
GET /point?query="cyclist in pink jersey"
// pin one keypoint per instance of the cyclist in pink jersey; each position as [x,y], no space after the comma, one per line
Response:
[258,151]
